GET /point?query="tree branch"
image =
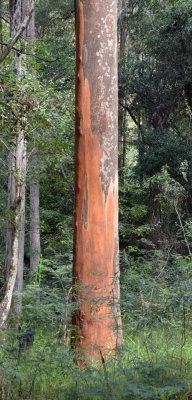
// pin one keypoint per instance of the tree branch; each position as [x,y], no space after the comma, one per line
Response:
[183,230]
[67,180]
[19,51]
[17,35]
[4,19]
[131,115]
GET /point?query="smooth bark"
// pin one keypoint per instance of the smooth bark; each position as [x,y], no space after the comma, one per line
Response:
[35,249]
[96,264]
[35,245]
[19,180]
[17,304]
[11,206]
[16,193]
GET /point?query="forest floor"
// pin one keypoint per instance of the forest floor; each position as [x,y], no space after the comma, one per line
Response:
[154,364]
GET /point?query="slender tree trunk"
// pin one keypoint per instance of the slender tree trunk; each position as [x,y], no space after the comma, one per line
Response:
[35,246]
[11,206]
[15,12]
[96,268]
[19,180]
[34,225]
[27,5]
[123,31]
[29,33]
[16,198]
[17,304]
[15,179]
[17,301]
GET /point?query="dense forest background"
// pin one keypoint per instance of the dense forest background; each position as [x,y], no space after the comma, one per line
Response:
[155,206]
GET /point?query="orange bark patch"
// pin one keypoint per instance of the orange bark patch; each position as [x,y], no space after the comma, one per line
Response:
[94,240]
[95,226]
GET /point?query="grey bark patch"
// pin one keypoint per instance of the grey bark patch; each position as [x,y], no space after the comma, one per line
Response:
[100,68]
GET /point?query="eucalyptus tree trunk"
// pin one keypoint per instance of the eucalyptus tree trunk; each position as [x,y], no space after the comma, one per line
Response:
[17,304]
[96,265]
[29,33]
[15,189]
[19,175]
[122,111]
[35,247]
[18,287]
[16,194]
[34,224]
[28,37]
[123,29]
[11,206]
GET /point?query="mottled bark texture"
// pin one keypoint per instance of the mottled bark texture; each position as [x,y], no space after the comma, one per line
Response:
[96,268]
[122,112]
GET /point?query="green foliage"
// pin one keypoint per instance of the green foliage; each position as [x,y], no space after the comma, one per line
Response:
[156,81]
[49,372]
[56,41]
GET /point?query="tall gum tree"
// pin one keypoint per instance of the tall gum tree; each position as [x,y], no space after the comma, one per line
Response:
[35,248]
[96,264]
[123,33]
[16,186]
[28,37]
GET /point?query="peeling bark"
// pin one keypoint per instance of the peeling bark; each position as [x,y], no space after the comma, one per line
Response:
[96,188]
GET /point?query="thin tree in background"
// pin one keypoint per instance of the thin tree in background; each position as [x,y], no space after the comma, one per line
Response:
[16,189]
[96,265]
[35,248]
[28,39]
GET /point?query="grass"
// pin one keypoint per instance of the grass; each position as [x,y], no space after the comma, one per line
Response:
[160,344]
[153,365]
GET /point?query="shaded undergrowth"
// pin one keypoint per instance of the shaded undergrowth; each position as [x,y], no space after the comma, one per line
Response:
[147,367]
